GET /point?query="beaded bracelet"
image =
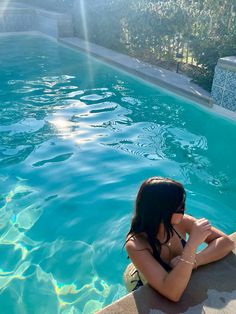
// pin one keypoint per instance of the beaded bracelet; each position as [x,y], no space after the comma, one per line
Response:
[185,261]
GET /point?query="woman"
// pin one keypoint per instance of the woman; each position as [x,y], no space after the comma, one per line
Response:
[156,242]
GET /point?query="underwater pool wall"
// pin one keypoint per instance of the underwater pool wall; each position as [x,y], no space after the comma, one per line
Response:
[224,83]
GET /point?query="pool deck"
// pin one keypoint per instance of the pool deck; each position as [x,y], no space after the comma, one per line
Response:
[169,80]
[211,290]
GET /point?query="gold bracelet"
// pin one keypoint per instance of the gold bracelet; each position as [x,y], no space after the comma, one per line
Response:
[189,255]
[185,261]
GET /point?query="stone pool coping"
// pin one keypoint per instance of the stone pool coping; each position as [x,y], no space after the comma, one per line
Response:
[169,80]
[174,82]
[228,63]
[211,290]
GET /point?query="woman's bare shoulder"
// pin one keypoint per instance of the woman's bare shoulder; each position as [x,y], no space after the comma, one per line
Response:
[136,243]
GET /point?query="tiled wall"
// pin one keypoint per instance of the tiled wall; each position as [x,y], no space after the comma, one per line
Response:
[224,86]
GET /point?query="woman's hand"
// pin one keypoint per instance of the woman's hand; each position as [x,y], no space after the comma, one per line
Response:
[201,229]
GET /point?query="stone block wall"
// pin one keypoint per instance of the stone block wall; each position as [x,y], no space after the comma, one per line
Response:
[18,18]
[224,83]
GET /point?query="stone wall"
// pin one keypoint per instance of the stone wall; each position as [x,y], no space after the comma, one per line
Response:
[17,20]
[18,17]
[52,5]
[224,83]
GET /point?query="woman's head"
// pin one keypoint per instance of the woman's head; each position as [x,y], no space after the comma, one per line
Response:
[158,200]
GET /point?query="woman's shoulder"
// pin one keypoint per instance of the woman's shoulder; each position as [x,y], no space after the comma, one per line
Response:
[136,242]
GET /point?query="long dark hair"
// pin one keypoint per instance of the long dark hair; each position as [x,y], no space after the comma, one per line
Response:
[157,200]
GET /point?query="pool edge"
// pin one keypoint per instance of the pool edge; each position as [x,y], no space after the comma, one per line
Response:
[204,101]
[160,77]
[145,300]
[146,72]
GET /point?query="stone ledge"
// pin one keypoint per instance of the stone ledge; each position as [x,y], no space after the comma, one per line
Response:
[172,81]
[15,11]
[228,63]
[211,290]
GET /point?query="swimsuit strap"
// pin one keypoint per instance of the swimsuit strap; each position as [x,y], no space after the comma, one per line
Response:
[183,241]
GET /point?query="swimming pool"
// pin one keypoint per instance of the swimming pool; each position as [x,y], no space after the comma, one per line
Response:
[77,137]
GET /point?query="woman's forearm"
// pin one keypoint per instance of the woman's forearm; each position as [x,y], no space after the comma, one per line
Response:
[177,280]
[215,250]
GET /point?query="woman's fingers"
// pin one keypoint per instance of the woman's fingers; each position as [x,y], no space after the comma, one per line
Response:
[200,231]
[206,227]
[203,221]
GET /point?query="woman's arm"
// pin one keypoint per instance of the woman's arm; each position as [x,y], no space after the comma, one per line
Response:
[172,284]
[219,244]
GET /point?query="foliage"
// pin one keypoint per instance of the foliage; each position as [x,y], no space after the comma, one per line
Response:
[201,31]
[154,31]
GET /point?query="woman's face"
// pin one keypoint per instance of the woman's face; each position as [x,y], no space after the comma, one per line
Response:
[177,217]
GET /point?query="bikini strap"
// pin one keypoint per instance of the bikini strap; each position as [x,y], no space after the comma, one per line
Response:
[183,241]
[177,233]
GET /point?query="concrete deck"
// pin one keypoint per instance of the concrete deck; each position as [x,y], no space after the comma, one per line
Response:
[211,290]
[172,81]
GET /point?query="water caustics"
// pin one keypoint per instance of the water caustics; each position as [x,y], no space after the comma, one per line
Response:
[73,151]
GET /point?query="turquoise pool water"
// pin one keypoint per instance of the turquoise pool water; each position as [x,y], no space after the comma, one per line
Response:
[77,138]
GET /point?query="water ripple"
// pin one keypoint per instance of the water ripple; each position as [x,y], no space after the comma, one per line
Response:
[59,158]
[73,152]
[97,97]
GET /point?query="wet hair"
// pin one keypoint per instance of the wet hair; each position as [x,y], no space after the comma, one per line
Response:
[157,200]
